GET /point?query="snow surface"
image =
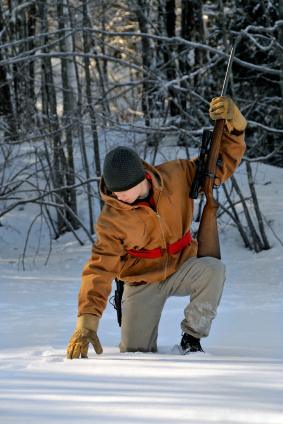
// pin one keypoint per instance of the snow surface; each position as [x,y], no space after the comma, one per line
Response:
[238,380]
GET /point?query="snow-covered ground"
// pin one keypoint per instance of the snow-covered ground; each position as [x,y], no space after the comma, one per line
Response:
[238,380]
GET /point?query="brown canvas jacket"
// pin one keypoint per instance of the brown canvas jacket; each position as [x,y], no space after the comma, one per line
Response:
[122,226]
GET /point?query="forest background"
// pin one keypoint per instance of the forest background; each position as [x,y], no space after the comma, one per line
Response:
[76,74]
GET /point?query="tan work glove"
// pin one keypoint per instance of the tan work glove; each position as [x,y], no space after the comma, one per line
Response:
[84,334]
[225,108]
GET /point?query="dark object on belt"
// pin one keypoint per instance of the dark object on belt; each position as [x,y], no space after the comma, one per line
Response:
[118,299]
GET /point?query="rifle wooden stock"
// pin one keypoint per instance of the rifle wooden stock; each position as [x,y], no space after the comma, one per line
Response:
[208,239]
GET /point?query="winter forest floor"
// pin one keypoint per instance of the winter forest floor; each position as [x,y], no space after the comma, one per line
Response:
[238,380]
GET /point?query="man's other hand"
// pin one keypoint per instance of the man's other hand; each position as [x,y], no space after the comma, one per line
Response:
[79,343]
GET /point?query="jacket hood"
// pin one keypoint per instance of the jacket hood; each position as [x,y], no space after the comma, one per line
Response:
[109,199]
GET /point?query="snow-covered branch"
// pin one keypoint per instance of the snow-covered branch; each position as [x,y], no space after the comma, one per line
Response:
[21,201]
[265,127]
[27,57]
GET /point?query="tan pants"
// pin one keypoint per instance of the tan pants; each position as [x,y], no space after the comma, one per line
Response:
[200,278]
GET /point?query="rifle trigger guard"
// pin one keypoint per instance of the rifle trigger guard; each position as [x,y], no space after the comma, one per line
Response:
[219,183]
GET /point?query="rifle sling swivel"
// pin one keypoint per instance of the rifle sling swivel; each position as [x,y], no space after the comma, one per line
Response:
[210,175]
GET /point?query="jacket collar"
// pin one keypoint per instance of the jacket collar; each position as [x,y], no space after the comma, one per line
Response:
[157,185]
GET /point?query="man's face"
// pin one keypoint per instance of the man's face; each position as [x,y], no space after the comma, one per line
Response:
[131,195]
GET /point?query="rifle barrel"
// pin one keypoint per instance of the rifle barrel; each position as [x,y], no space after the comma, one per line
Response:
[227,75]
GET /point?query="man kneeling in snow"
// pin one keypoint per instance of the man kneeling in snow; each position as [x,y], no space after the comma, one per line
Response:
[143,238]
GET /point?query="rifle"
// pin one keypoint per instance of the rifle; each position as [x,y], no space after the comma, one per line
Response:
[207,237]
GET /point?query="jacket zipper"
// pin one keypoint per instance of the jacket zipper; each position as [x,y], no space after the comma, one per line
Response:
[162,232]
[165,244]
[163,235]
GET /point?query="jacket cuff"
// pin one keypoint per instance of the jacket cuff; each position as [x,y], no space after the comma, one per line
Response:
[88,321]
[232,130]
[236,132]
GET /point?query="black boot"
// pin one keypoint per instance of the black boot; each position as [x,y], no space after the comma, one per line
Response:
[190,344]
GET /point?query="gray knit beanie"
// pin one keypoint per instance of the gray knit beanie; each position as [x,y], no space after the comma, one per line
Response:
[122,169]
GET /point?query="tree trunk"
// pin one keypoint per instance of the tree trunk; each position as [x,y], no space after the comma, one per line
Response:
[266,244]
[50,108]
[142,11]
[257,243]
[16,29]
[6,105]
[31,22]
[91,111]
[234,215]
[192,29]
[81,133]
[280,39]
[170,25]
[68,76]
[103,44]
